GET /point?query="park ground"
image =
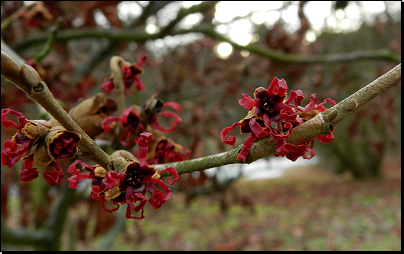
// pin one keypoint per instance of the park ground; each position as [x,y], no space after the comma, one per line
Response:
[310,208]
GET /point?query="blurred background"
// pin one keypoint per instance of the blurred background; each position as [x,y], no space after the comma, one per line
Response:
[203,55]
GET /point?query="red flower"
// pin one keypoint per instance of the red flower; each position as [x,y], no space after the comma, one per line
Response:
[131,123]
[77,176]
[166,151]
[62,144]
[54,177]
[271,114]
[108,85]
[130,75]
[130,186]
[20,144]
[28,172]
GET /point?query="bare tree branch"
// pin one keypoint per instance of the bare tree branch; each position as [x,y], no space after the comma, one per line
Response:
[140,36]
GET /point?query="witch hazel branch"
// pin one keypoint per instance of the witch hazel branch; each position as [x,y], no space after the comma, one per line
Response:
[276,125]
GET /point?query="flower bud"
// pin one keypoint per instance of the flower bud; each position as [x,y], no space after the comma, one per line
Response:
[41,155]
[90,112]
[61,143]
[36,129]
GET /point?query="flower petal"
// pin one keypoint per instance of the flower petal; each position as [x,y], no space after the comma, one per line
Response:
[7,123]
[257,129]
[28,172]
[173,172]
[156,124]
[326,139]
[247,102]
[54,177]
[109,180]
[246,147]
[232,140]
[173,105]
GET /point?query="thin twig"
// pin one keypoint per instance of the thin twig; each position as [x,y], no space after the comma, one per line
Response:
[48,45]
[140,36]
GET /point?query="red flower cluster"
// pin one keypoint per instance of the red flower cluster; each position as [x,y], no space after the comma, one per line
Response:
[271,114]
[130,75]
[129,186]
[52,142]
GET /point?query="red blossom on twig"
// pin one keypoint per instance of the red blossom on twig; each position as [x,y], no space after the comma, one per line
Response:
[130,186]
[271,114]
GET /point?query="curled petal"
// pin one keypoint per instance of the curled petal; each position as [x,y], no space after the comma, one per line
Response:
[126,71]
[107,86]
[138,85]
[141,61]
[109,180]
[109,210]
[157,125]
[296,96]
[129,200]
[146,136]
[257,129]
[105,123]
[282,106]
[271,87]
[95,193]
[173,172]
[288,117]
[326,138]
[125,114]
[28,172]
[225,131]
[73,170]
[143,149]
[78,177]
[157,200]
[320,106]
[7,123]
[311,105]
[12,153]
[247,102]
[281,88]
[174,105]
[246,147]
[54,177]
[159,197]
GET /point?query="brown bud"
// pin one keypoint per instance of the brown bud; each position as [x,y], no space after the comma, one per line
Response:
[36,129]
[41,155]
[90,112]
[53,122]
[112,193]
[100,171]
[150,108]
[120,164]
[123,153]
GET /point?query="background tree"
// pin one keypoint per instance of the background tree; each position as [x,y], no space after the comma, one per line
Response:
[184,66]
